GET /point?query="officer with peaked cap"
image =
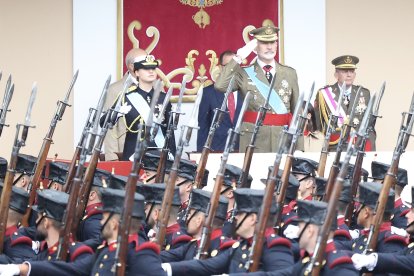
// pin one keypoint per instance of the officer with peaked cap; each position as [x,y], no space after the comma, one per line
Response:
[401,262]
[198,206]
[304,170]
[257,79]
[17,246]
[368,197]
[276,250]
[136,108]
[327,98]
[378,171]
[154,195]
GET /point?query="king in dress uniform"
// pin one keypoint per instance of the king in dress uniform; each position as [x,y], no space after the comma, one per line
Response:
[257,78]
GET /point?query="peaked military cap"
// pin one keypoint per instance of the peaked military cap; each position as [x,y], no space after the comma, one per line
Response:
[379,170]
[250,201]
[346,193]
[25,164]
[101,178]
[3,167]
[115,182]
[113,201]
[314,212]
[19,199]
[154,193]
[293,187]
[200,200]
[58,172]
[350,173]
[304,166]
[145,62]
[232,174]
[51,204]
[265,34]
[345,62]
[320,186]
[369,193]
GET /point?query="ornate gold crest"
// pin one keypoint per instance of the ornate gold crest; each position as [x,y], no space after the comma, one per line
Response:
[348,60]
[201,18]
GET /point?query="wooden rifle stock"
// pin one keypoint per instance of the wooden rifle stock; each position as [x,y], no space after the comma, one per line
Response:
[322,163]
[282,188]
[247,161]
[126,216]
[6,194]
[164,153]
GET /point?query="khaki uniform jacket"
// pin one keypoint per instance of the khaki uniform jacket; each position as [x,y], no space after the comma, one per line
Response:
[322,112]
[115,138]
[286,85]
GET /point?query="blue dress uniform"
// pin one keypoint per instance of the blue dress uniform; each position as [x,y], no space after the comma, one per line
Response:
[379,170]
[199,202]
[276,254]
[143,257]
[211,101]
[387,242]
[176,237]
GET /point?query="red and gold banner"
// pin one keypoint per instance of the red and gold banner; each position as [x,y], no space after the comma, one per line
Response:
[187,36]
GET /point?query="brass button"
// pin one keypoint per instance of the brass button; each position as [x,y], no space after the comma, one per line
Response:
[214,253]
[101,265]
[105,257]
[240,265]
[244,256]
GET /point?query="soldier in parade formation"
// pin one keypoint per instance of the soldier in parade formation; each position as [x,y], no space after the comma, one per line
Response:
[115,226]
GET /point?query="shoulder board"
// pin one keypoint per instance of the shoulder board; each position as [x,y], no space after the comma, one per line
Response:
[180,238]
[130,89]
[150,246]
[19,239]
[226,243]
[341,260]
[342,233]
[285,66]
[396,238]
[78,249]
[274,240]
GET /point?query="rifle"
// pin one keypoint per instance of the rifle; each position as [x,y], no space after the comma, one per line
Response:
[356,176]
[130,188]
[258,239]
[170,185]
[44,150]
[110,120]
[19,141]
[68,216]
[165,150]
[316,261]
[390,178]
[93,117]
[332,123]
[217,118]
[8,94]
[179,103]
[248,155]
[294,131]
[203,248]
[345,130]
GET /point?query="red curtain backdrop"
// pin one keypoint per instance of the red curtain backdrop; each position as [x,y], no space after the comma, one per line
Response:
[181,34]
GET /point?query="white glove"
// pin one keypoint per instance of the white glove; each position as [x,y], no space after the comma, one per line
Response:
[245,51]
[151,234]
[291,232]
[398,231]
[368,261]
[36,246]
[167,268]
[124,109]
[9,270]
[354,233]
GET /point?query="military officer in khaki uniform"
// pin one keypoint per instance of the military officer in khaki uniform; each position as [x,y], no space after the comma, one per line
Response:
[257,78]
[327,97]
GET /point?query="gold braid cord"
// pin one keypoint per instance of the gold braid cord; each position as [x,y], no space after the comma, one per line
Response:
[324,116]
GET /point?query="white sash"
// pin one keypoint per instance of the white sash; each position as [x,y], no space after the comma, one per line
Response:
[332,105]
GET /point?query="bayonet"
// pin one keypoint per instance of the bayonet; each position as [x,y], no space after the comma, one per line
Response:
[30,106]
[243,109]
[179,102]
[154,100]
[193,121]
[161,115]
[5,106]
[98,112]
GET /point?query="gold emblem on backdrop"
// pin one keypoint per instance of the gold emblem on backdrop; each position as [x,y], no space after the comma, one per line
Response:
[195,74]
[201,18]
